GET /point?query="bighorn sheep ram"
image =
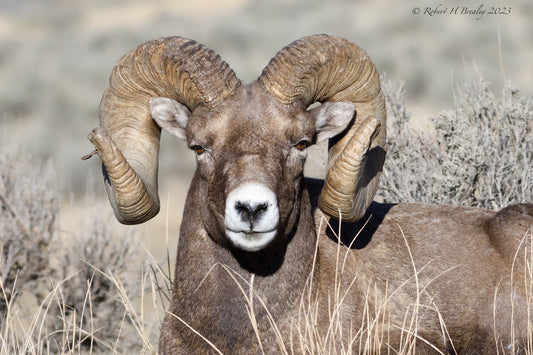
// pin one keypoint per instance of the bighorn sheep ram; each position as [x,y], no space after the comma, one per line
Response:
[263,262]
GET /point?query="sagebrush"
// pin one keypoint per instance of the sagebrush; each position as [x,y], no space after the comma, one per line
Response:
[70,275]
[480,153]
[29,204]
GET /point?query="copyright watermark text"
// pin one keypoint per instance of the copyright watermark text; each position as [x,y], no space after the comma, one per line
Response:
[476,12]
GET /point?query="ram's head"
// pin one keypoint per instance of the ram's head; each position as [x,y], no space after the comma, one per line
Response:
[250,139]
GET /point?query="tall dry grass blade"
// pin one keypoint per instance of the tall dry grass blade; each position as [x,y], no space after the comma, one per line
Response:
[279,338]
[412,350]
[310,309]
[349,247]
[91,319]
[135,320]
[497,340]
[333,324]
[512,294]
[249,304]
[162,289]
[409,343]
[251,313]
[7,335]
[197,333]
[529,292]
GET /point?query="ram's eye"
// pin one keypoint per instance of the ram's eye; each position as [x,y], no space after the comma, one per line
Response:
[198,149]
[302,145]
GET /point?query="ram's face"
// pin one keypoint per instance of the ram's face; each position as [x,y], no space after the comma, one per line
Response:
[250,154]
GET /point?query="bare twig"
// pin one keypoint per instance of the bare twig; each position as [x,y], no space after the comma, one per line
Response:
[15,215]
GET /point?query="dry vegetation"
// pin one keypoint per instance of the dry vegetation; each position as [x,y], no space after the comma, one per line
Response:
[60,291]
[88,289]
[479,154]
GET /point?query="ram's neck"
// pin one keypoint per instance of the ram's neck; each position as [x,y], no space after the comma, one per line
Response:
[212,285]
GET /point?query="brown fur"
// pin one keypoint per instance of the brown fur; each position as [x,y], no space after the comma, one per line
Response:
[439,262]
[464,278]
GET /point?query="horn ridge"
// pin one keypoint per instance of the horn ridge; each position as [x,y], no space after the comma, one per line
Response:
[317,68]
[322,68]
[173,67]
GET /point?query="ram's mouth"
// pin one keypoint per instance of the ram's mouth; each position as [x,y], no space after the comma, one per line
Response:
[250,240]
[253,231]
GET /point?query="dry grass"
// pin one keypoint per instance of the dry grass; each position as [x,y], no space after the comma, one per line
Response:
[368,335]
[76,336]
[523,259]
[77,332]
[59,287]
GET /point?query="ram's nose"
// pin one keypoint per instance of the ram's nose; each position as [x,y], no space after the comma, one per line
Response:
[251,211]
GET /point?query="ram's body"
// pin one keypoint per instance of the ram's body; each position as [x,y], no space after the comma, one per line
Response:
[430,270]
[260,266]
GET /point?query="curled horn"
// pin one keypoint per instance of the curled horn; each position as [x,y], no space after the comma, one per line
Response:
[325,68]
[127,140]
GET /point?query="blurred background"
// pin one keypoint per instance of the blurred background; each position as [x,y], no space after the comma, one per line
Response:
[56,56]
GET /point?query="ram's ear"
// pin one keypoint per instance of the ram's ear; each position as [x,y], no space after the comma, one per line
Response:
[170,115]
[332,118]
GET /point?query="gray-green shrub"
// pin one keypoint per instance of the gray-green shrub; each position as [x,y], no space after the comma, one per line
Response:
[29,204]
[480,153]
[69,273]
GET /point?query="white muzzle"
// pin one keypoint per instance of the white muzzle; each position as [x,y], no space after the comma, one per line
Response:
[251,216]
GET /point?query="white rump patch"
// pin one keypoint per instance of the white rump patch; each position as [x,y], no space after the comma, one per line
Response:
[251,216]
